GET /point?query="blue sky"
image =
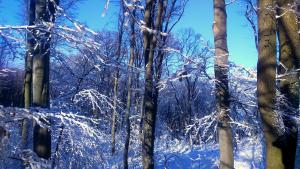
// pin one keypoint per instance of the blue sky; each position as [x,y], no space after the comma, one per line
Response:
[198,15]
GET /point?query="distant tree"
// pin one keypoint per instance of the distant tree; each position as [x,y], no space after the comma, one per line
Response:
[129,88]
[11,87]
[117,73]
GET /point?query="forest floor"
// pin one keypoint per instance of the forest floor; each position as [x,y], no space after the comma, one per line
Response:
[179,155]
[247,155]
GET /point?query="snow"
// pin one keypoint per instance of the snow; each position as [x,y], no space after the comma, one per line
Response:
[248,155]
[85,144]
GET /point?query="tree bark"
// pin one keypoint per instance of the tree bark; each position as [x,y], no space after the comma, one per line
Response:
[116,80]
[28,57]
[289,57]
[222,93]
[151,91]
[149,107]
[266,87]
[130,76]
[297,160]
[28,70]
[114,117]
[44,11]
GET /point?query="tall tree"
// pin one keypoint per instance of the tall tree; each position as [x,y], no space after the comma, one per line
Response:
[266,87]
[28,67]
[221,75]
[129,90]
[289,57]
[154,42]
[148,104]
[117,74]
[45,16]
[297,160]
[28,57]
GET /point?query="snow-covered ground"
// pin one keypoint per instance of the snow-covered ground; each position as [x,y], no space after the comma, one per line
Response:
[84,145]
[179,155]
[248,155]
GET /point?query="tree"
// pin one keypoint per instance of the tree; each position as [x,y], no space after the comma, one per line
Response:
[117,73]
[129,89]
[28,67]
[154,44]
[289,58]
[266,72]
[148,104]
[45,16]
[222,93]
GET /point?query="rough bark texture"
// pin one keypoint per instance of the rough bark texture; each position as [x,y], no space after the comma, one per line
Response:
[149,107]
[289,84]
[222,94]
[130,76]
[44,12]
[266,71]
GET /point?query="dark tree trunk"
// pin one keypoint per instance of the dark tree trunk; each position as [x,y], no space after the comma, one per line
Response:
[28,70]
[28,57]
[149,107]
[117,74]
[151,92]
[129,92]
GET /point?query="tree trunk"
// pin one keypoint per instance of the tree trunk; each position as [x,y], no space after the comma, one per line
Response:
[130,76]
[114,117]
[44,11]
[289,57]
[222,94]
[151,92]
[266,71]
[297,160]
[116,80]
[28,70]
[28,57]
[149,108]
